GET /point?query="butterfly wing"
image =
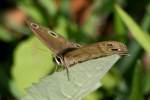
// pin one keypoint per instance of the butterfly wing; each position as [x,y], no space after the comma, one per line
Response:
[99,49]
[55,42]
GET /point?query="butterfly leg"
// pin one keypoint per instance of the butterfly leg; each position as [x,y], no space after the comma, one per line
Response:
[56,68]
[67,71]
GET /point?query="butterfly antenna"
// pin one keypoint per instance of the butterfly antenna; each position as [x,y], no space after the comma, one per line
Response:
[67,70]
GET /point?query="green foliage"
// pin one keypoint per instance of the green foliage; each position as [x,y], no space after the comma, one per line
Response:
[146,88]
[142,37]
[30,63]
[5,35]
[23,60]
[136,90]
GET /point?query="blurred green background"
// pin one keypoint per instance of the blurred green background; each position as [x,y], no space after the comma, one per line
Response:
[24,59]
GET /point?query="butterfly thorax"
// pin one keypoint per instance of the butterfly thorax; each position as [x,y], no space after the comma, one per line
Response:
[59,58]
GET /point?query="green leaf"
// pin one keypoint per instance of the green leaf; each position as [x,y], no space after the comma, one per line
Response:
[146,19]
[94,96]
[142,37]
[147,81]
[89,25]
[84,78]
[5,35]
[31,11]
[30,64]
[50,6]
[119,25]
[136,89]
[61,27]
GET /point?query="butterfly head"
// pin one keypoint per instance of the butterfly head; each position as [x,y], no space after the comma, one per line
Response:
[114,47]
[58,60]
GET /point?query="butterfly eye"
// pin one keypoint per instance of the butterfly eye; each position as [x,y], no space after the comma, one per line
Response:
[58,60]
[34,25]
[52,33]
[114,49]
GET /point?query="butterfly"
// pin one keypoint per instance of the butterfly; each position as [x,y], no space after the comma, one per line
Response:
[68,53]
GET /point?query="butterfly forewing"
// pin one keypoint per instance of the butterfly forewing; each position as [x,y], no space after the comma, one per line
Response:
[55,42]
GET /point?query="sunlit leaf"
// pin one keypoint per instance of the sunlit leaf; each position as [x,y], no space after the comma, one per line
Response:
[30,63]
[94,96]
[84,78]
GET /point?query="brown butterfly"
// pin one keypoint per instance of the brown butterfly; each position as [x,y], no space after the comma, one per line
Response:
[67,53]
